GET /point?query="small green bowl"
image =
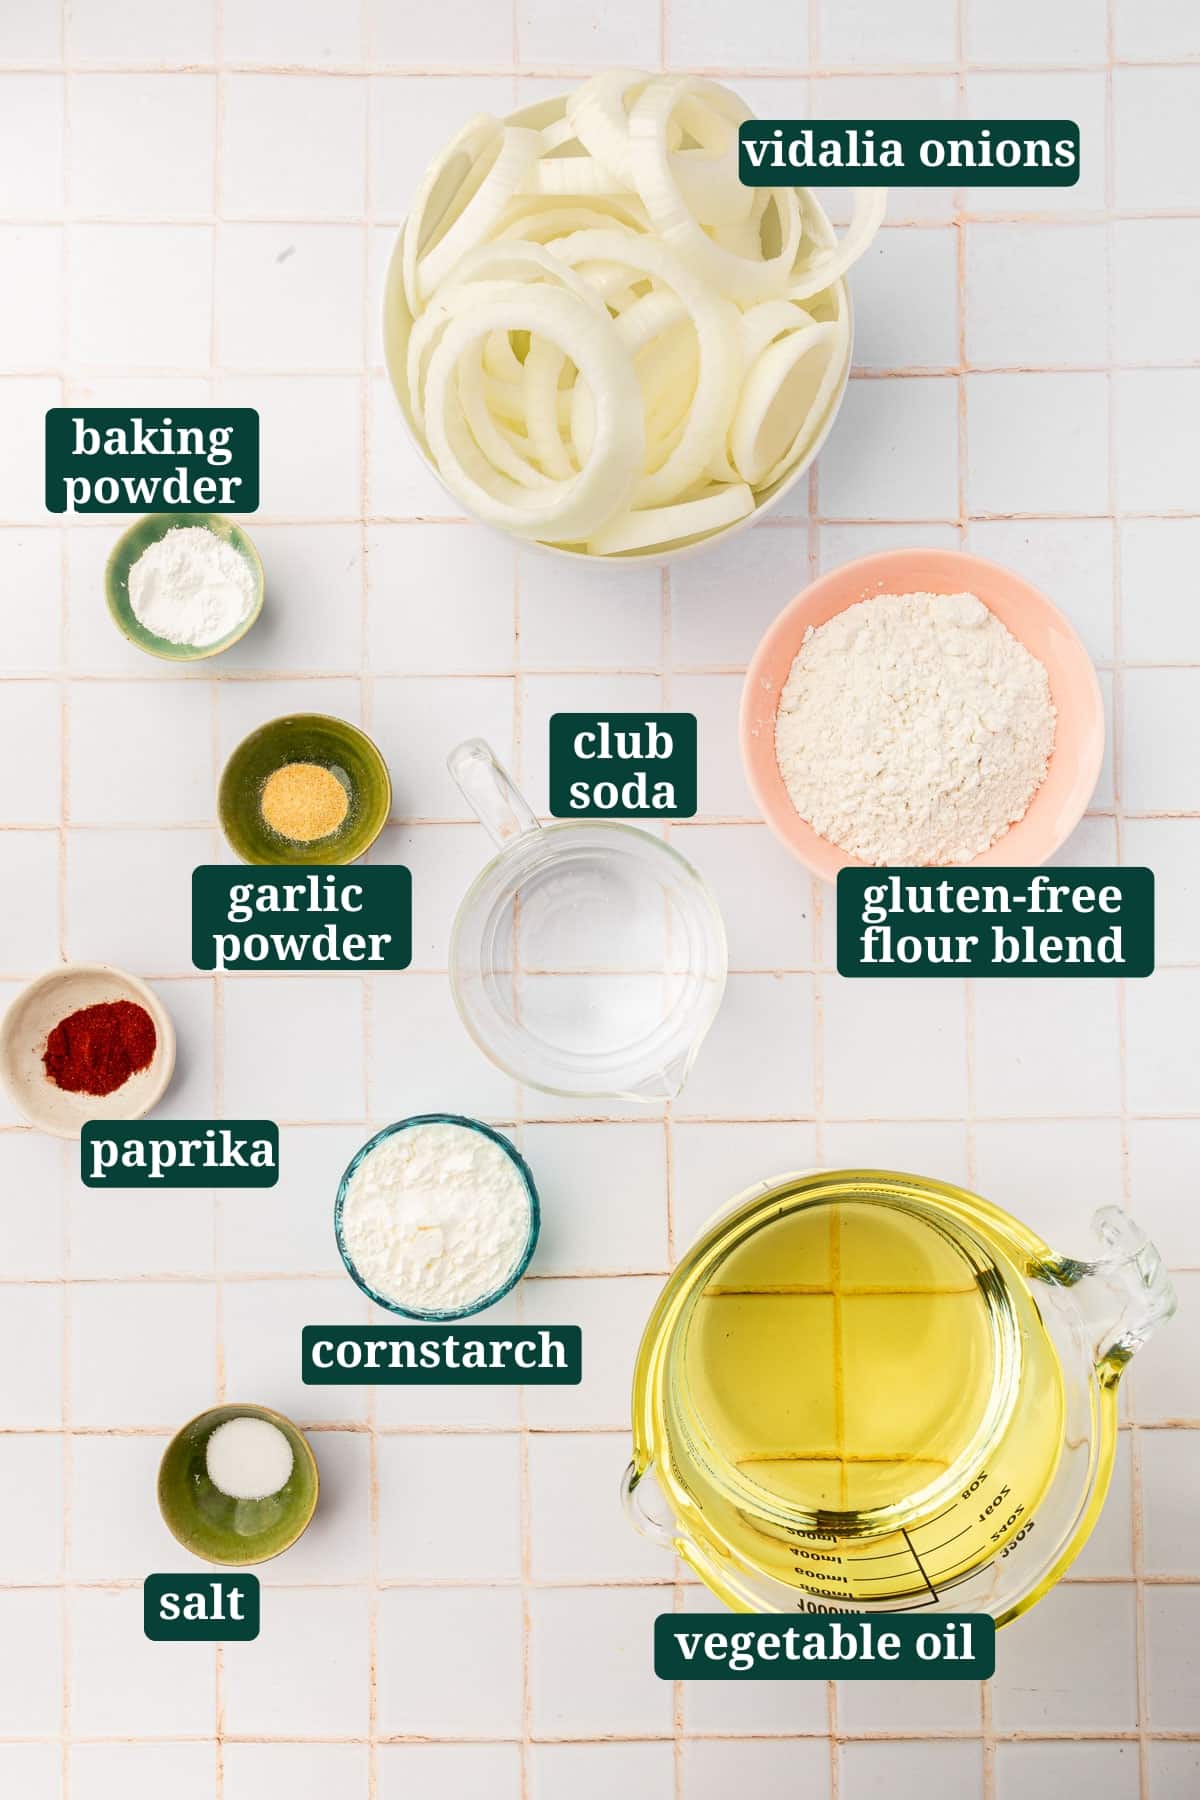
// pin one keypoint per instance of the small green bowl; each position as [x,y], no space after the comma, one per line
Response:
[216,1527]
[343,749]
[131,544]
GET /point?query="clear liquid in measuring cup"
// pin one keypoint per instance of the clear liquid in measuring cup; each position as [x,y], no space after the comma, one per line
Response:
[872,1402]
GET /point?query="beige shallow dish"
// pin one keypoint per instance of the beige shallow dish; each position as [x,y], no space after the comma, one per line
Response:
[32,1016]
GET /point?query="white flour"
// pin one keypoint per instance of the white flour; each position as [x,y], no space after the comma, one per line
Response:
[191,587]
[914,728]
[436,1217]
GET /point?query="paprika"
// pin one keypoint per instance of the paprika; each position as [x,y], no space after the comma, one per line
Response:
[97,1049]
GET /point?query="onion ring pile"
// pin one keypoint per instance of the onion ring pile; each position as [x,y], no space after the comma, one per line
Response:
[615,346]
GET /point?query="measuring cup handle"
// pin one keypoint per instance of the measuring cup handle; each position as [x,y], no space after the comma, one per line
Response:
[1125,1294]
[489,792]
[646,1506]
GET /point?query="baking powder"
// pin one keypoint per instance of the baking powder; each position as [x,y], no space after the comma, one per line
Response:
[191,587]
[436,1217]
[914,728]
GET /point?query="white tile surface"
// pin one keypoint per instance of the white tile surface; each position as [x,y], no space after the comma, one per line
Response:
[214,201]
[143,1771]
[1037,443]
[31,1696]
[1061,318]
[425,1631]
[313,1681]
[588,1648]
[295,147]
[906,1771]
[122,1685]
[113,117]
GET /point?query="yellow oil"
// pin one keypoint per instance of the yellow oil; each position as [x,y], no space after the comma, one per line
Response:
[867,1404]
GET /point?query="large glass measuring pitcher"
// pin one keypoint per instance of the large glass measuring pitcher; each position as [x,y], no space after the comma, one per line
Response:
[871,1392]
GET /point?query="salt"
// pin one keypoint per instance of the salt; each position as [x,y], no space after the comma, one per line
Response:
[248,1459]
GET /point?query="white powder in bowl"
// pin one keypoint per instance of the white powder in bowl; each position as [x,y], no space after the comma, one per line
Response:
[248,1459]
[914,728]
[436,1217]
[191,587]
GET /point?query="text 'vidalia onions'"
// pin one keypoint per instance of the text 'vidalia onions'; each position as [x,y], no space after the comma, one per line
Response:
[603,340]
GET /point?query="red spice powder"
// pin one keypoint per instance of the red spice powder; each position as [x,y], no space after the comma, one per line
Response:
[97,1049]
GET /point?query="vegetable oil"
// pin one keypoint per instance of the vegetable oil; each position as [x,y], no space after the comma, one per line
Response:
[863,1400]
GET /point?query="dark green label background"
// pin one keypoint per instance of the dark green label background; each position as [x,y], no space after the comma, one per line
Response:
[679,767]
[201,1631]
[569,1336]
[670,1663]
[1136,918]
[910,134]
[175,1131]
[61,460]
[386,907]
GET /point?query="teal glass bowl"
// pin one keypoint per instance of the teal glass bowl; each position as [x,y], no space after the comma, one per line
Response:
[522,1263]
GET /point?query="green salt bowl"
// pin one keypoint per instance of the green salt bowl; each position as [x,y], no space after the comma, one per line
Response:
[132,543]
[304,737]
[216,1527]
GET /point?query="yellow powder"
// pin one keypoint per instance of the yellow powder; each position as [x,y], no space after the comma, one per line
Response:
[303,802]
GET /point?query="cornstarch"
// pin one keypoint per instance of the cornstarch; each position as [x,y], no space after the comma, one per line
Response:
[191,587]
[914,728]
[436,1217]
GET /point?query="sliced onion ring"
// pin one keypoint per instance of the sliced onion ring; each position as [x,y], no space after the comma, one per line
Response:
[516,156]
[569,510]
[829,265]
[443,185]
[667,524]
[739,277]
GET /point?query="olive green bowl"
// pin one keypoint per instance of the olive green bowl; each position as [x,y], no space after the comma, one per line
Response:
[213,1525]
[344,750]
[131,544]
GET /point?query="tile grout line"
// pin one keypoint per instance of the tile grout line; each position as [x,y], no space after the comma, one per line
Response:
[525,1489]
[66,1622]
[959,201]
[370,324]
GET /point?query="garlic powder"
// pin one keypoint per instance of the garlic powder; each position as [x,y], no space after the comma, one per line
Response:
[436,1217]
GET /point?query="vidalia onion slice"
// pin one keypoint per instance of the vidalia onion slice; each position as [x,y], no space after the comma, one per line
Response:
[829,264]
[573,175]
[517,154]
[448,178]
[667,524]
[598,111]
[780,398]
[568,510]
[741,278]
[720,359]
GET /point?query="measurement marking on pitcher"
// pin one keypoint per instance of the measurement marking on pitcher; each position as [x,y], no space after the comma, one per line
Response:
[918,1562]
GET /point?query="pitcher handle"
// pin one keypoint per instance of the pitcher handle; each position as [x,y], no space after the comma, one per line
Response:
[489,791]
[646,1506]
[1126,1293]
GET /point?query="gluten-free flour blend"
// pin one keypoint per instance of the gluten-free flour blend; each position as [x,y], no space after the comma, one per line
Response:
[436,1217]
[914,728]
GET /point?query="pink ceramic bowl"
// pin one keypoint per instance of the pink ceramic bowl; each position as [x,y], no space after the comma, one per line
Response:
[1059,803]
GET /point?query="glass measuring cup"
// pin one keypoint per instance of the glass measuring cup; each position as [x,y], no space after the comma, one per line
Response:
[587,959]
[863,1391]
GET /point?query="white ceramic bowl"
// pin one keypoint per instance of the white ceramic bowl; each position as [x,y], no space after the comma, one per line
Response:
[32,1016]
[397,323]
